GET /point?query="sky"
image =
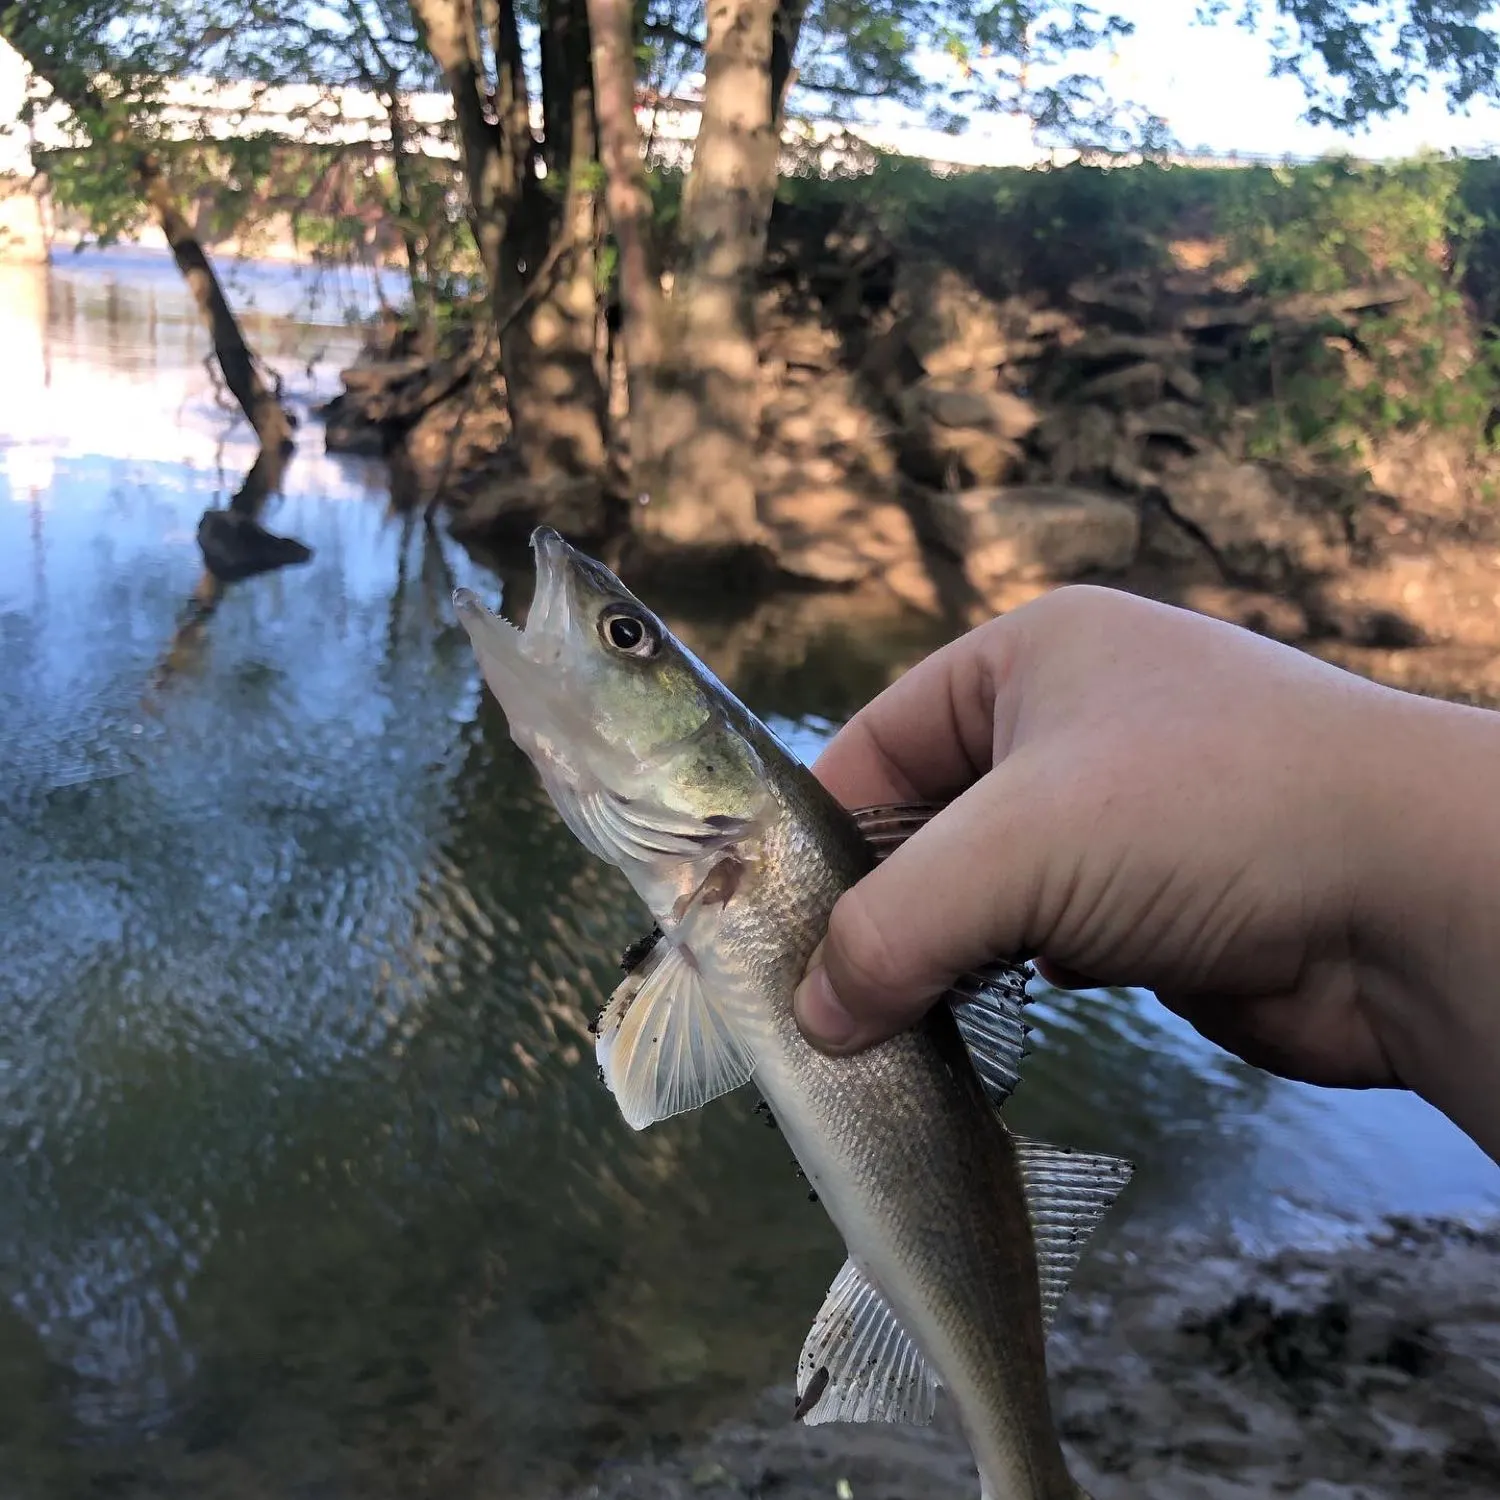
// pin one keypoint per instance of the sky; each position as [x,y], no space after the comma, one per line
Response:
[1211,84]
[1213,87]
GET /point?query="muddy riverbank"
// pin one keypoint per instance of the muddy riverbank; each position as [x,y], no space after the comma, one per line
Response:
[1365,1372]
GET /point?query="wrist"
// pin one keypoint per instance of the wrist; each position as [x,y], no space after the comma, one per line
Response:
[1427,922]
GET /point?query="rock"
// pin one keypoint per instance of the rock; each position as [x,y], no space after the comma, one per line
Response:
[822,417]
[1125,299]
[950,327]
[345,430]
[1086,442]
[824,559]
[838,535]
[1169,422]
[1106,347]
[1253,521]
[1032,532]
[1130,385]
[804,344]
[991,410]
[962,434]
[888,364]
[911,582]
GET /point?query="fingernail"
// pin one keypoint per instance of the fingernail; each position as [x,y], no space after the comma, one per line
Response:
[821,1014]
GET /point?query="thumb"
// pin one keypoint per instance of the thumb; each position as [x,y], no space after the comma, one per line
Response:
[959,893]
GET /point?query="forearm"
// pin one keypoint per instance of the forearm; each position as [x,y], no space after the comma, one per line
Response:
[1430,908]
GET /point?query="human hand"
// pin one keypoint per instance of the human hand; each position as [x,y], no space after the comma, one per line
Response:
[1144,796]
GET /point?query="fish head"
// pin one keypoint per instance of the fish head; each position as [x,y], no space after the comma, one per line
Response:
[637,743]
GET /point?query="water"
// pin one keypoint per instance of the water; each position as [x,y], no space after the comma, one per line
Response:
[310,1186]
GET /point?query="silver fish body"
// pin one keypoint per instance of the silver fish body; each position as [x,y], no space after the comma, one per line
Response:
[960,1235]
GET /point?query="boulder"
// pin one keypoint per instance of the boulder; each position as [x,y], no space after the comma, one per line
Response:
[1035,532]
[950,327]
[950,404]
[954,432]
[836,534]
[1085,442]
[1259,527]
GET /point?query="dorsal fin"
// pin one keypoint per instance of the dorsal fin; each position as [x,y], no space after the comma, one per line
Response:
[987,1002]
[889,825]
[1067,1193]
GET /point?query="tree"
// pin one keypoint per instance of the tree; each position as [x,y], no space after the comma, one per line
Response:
[107,64]
[692,355]
[1357,60]
[373,46]
[536,241]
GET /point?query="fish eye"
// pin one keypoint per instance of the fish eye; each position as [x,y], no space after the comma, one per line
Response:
[627,632]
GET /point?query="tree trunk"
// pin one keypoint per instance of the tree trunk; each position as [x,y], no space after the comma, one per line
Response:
[562,402]
[785,31]
[534,256]
[693,360]
[259,403]
[628,200]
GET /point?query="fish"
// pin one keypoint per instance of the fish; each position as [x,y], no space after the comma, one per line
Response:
[961,1236]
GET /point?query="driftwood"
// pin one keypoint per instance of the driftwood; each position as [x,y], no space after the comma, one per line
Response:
[396,392]
[242,372]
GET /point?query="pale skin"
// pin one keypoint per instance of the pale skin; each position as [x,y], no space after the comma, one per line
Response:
[1303,864]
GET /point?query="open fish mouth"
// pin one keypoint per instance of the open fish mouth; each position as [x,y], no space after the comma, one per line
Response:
[522,665]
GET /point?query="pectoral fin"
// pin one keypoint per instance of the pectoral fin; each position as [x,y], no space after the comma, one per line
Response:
[665,1044]
[1067,1193]
[858,1364]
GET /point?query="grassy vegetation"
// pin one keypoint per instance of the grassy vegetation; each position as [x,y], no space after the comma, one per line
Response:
[1433,223]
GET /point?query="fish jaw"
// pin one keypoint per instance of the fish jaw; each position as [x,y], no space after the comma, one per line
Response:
[525,668]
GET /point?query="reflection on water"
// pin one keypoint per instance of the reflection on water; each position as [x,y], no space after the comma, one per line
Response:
[310,1183]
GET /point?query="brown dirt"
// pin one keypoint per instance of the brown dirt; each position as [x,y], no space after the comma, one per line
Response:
[1368,1372]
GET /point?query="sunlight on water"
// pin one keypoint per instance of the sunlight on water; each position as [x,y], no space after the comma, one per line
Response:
[310,1182]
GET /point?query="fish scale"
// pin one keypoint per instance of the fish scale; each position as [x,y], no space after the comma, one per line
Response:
[961,1235]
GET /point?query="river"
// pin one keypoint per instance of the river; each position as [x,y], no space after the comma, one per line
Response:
[310,1186]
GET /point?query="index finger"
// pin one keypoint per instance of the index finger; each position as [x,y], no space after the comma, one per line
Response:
[927,736]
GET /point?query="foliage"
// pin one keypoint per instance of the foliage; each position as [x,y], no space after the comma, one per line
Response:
[952,59]
[1359,59]
[1432,224]
[114,66]
[1012,229]
[1338,224]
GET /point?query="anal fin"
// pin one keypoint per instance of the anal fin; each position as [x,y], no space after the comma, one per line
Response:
[1067,1193]
[858,1364]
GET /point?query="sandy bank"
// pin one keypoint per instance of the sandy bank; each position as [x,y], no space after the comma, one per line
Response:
[1361,1373]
